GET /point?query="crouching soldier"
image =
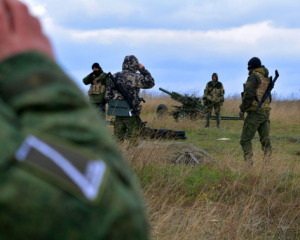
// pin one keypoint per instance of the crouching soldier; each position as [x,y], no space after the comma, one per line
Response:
[98,81]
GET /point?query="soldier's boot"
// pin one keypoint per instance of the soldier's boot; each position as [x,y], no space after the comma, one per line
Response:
[267,156]
[207,119]
[248,160]
[249,163]
[218,124]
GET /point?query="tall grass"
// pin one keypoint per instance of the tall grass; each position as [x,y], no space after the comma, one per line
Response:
[226,200]
[281,109]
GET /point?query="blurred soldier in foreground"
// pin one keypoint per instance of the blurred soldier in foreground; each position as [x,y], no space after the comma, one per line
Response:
[131,82]
[99,81]
[255,87]
[60,175]
[213,98]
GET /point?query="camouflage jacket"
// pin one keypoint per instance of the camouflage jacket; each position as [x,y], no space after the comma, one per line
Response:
[214,91]
[40,100]
[131,81]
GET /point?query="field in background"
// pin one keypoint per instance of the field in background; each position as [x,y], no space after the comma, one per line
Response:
[224,201]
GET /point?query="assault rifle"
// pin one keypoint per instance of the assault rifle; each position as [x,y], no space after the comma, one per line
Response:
[268,92]
[146,131]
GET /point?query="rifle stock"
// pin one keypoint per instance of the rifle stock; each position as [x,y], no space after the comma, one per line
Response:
[268,92]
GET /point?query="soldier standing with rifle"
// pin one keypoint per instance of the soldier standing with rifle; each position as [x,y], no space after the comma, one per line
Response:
[99,81]
[213,98]
[131,82]
[256,100]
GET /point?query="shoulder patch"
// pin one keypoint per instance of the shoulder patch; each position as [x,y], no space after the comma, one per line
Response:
[65,167]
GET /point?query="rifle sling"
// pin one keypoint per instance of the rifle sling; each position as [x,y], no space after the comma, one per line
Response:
[213,88]
[120,89]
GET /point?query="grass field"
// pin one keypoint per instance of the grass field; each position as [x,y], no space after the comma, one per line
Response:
[225,200]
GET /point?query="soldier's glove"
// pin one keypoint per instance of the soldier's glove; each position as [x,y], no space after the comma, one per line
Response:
[97,73]
[91,74]
[242,115]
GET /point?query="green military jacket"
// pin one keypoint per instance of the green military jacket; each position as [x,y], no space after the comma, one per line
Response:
[214,91]
[102,82]
[251,90]
[41,109]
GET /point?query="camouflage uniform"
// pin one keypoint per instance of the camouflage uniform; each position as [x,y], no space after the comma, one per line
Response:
[40,100]
[255,87]
[99,82]
[213,98]
[131,82]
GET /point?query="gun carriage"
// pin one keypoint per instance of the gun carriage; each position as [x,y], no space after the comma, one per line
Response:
[191,107]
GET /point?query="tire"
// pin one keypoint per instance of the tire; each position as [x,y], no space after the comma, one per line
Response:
[161,111]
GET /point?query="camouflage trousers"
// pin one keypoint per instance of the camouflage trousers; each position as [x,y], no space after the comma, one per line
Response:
[126,126]
[256,121]
[217,107]
[101,109]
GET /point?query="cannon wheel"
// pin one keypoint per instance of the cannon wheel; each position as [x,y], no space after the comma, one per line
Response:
[161,111]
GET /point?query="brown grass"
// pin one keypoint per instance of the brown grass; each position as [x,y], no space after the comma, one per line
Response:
[225,201]
[281,110]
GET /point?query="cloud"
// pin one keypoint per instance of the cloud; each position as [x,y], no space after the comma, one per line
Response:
[36,9]
[164,14]
[176,39]
[261,37]
[40,11]
[68,11]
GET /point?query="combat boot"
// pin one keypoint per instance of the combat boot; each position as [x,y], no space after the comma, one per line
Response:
[249,162]
[267,156]
[218,124]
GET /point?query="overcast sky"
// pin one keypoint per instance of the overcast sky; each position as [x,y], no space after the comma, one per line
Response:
[180,42]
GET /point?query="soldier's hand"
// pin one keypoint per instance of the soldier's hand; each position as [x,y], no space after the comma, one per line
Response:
[141,66]
[97,73]
[19,31]
[242,115]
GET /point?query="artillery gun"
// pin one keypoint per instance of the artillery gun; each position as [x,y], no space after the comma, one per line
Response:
[191,108]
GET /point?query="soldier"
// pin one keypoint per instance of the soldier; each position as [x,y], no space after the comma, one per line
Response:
[61,177]
[131,82]
[255,87]
[213,98]
[99,81]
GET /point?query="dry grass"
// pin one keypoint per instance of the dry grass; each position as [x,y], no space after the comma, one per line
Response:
[225,201]
[286,110]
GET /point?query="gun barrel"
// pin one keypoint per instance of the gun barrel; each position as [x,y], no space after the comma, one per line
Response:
[165,91]
[226,118]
